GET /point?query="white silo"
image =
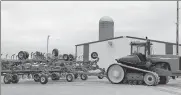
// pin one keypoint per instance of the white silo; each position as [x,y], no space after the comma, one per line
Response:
[106,28]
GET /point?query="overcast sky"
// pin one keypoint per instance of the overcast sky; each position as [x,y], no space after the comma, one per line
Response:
[25,25]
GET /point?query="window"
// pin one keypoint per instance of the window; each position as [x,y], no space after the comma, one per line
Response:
[138,49]
[169,48]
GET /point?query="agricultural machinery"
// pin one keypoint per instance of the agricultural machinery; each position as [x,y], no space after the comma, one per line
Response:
[87,68]
[77,68]
[56,67]
[142,67]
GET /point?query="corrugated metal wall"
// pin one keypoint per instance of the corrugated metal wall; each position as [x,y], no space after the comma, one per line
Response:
[80,53]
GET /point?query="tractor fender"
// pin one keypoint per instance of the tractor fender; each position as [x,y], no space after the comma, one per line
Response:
[112,65]
[162,72]
[169,68]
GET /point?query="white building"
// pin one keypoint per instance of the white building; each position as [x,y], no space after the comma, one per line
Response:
[110,48]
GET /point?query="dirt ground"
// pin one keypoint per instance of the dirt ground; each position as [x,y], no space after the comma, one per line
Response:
[92,86]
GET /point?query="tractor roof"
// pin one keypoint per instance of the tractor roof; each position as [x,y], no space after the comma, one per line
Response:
[139,43]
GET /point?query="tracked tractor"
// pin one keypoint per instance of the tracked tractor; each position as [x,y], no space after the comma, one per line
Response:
[143,67]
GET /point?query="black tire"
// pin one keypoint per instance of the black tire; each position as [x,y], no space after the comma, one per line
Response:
[26,55]
[65,57]
[15,79]
[76,76]
[71,57]
[21,55]
[7,79]
[55,76]
[31,54]
[100,77]
[113,78]
[69,77]
[94,55]
[36,78]
[83,76]
[173,77]
[163,80]
[43,79]
[55,52]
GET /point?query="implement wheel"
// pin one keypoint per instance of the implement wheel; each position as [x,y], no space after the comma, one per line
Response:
[115,73]
[55,76]
[7,79]
[43,79]
[21,55]
[76,76]
[94,55]
[100,77]
[15,79]
[83,76]
[66,57]
[69,77]
[55,52]
[36,78]
[71,57]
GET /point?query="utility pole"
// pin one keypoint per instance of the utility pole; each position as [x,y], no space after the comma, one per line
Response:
[47,45]
[177,33]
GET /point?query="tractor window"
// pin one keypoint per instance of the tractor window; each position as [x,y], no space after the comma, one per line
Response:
[151,50]
[142,47]
[134,49]
[138,49]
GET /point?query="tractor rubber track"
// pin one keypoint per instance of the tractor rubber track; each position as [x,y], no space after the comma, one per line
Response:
[157,78]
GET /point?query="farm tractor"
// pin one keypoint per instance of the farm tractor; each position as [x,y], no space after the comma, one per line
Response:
[142,67]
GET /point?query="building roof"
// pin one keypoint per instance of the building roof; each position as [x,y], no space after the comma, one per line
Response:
[106,18]
[127,37]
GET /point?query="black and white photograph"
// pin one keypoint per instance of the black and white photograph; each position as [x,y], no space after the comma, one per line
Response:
[90,47]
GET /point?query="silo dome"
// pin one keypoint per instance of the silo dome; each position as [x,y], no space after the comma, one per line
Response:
[106,18]
[106,28]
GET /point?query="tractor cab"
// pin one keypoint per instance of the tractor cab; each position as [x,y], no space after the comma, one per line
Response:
[141,47]
[139,53]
